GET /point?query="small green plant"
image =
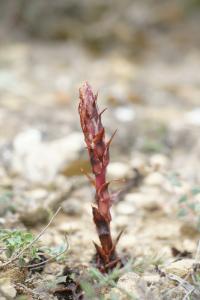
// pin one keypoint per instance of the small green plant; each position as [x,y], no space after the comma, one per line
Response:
[58,252]
[13,241]
[189,207]
[6,203]
[23,248]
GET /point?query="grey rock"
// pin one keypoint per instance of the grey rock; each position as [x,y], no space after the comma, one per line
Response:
[72,206]
[181,267]
[40,162]
[7,289]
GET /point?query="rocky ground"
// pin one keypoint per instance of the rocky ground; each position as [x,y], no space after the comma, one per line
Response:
[152,97]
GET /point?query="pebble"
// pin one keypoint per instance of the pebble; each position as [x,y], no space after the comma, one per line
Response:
[139,164]
[120,221]
[189,230]
[165,231]
[129,286]
[180,268]
[37,194]
[69,227]
[151,278]
[124,114]
[129,241]
[7,289]
[41,161]
[72,207]
[125,208]
[127,283]
[128,280]
[33,216]
[118,170]
[148,201]
[26,140]
[36,205]
[155,179]
[32,211]
[193,117]
[158,162]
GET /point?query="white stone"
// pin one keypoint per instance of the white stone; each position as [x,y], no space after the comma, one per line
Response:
[27,140]
[40,162]
[120,221]
[180,268]
[155,179]
[36,214]
[8,289]
[118,170]
[72,206]
[138,163]
[129,286]
[165,231]
[146,201]
[124,114]
[151,278]
[37,194]
[128,280]
[69,227]
[125,208]
[126,284]
[158,161]
[193,117]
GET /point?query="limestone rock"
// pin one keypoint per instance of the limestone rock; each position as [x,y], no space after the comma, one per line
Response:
[158,161]
[118,170]
[129,286]
[8,290]
[125,208]
[155,179]
[180,268]
[72,207]
[147,201]
[40,162]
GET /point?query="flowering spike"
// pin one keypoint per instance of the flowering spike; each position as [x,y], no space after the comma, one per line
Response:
[98,150]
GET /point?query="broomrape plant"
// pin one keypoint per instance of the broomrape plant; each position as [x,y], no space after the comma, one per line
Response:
[98,150]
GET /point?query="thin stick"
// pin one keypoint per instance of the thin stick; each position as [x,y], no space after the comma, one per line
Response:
[30,244]
[186,297]
[197,256]
[51,258]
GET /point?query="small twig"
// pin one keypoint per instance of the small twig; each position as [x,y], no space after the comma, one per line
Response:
[30,244]
[186,297]
[187,286]
[182,281]
[197,256]
[51,258]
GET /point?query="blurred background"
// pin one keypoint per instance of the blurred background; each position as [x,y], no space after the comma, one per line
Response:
[143,57]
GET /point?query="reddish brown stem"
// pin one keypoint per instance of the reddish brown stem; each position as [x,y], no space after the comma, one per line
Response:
[98,150]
